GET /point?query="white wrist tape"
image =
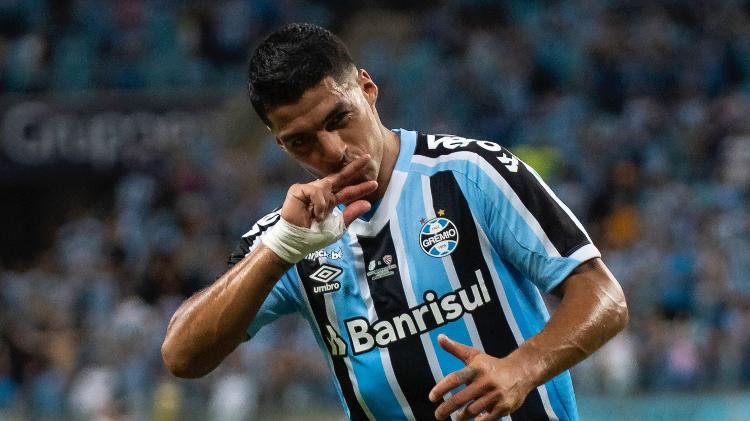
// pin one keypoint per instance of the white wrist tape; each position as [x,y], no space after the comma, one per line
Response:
[293,243]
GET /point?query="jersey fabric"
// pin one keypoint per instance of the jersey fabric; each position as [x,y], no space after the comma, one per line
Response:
[462,242]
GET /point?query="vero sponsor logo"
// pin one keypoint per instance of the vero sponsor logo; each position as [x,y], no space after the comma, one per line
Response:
[453,142]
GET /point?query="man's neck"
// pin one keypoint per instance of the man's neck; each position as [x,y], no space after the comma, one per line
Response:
[391,148]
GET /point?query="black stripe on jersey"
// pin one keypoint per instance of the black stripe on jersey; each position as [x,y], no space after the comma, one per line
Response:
[561,230]
[247,243]
[408,357]
[492,325]
[317,304]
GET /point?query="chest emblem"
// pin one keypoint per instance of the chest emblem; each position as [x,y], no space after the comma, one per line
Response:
[438,237]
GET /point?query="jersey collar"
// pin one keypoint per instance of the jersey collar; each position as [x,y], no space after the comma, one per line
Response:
[379,217]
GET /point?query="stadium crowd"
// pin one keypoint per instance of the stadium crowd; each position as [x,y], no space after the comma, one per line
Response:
[636,112]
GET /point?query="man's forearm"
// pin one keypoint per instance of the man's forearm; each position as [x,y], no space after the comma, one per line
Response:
[210,325]
[591,312]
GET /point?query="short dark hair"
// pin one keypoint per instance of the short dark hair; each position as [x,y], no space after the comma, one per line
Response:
[292,60]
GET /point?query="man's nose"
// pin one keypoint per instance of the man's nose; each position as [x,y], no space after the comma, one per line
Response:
[332,148]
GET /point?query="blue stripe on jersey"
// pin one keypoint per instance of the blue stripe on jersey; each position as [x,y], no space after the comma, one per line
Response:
[531,315]
[309,316]
[522,297]
[283,299]
[369,365]
[562,397]
[521,236]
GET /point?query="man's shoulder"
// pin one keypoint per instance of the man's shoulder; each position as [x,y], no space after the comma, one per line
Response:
[262,224]
[251,238]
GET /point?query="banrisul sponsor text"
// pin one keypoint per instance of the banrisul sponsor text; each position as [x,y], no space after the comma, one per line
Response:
[434,312]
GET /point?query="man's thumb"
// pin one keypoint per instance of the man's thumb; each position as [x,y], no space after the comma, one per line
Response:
[459,350]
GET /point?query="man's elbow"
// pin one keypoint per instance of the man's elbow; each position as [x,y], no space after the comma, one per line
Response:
[620,313]
[178,363]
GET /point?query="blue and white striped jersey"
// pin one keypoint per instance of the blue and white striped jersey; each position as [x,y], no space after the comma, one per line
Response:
[463,241]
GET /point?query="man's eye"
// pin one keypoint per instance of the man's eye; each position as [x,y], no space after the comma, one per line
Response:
[338,120]
[297,143]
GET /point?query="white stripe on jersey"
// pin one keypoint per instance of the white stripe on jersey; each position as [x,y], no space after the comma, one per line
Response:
[586,252]
[326,354]
[334,321]
[372,316]
[502,185]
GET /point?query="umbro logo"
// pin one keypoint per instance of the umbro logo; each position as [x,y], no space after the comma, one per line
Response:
[326,274]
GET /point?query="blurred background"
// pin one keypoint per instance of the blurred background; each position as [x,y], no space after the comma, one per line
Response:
[131,163]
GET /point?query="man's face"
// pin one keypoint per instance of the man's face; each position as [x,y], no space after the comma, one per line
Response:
[331,125]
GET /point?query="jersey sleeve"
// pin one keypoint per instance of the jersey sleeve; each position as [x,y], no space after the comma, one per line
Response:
[280,300]
[528,224]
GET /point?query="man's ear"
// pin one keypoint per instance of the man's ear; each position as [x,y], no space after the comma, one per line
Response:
[369,88]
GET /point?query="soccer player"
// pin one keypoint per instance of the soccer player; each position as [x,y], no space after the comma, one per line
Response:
[417,259]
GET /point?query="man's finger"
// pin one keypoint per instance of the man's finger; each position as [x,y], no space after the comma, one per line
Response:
[351,172]
[354,210]
[457,400]
[475,408]
[452,381]
[490,415]
[459,350]
[357,191]
[319,201]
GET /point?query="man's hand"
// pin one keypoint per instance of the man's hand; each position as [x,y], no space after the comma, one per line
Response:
[592,310]
[306,221]
[495,387]
[315,201]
